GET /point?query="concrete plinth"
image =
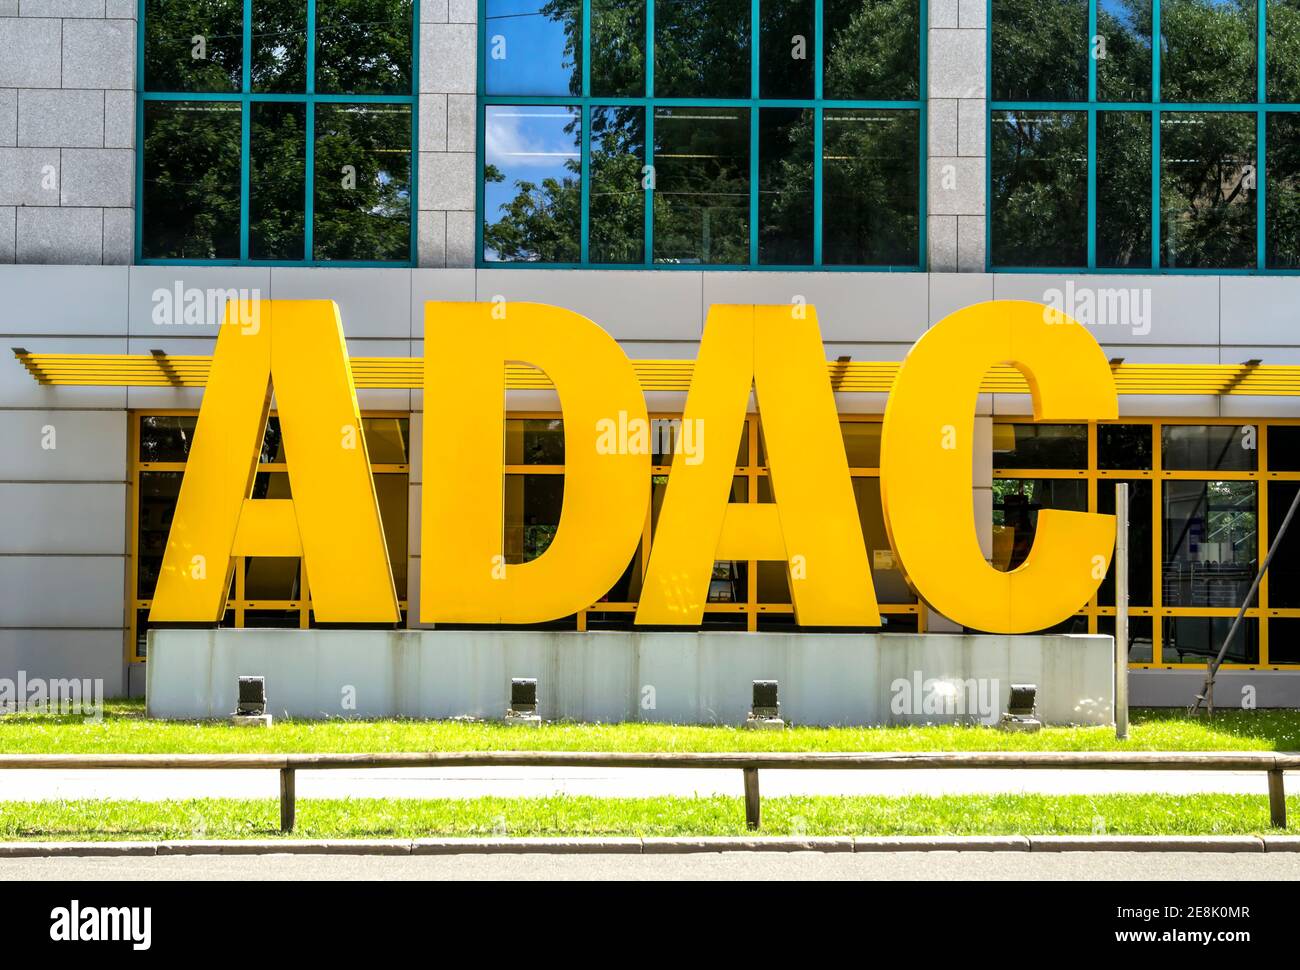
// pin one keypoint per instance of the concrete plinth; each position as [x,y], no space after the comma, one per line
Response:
[682,678]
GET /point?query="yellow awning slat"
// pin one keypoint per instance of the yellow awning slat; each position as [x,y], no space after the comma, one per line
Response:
[162,370]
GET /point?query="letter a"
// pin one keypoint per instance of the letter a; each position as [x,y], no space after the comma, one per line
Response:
[814,516]
[464,577]
[332,522]
[927,488]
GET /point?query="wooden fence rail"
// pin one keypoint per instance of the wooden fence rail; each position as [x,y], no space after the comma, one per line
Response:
[1273,764]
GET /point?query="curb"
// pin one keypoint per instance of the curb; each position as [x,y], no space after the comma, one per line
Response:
[656,846]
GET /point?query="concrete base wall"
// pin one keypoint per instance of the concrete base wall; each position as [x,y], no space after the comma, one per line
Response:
[682,678]
[1232,688]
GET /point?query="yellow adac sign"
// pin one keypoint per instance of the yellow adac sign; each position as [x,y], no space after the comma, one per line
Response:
[333,520]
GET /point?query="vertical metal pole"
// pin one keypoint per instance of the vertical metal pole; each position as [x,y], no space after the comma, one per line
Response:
[287,805]
[1121,611]
[753,812]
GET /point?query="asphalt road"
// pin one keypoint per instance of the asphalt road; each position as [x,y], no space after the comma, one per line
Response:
[928,866]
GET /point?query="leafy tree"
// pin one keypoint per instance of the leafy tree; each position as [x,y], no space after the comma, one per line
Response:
[1039,204]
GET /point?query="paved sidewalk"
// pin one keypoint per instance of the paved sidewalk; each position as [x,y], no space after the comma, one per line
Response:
[157,785]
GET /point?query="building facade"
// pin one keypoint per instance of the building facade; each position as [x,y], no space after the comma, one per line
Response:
[888,161]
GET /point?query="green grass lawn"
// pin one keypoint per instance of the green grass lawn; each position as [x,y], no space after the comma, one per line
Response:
[125,729]
[586,816]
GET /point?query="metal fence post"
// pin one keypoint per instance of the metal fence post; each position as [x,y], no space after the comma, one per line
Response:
[753,810]
[1121,611]
[287,806]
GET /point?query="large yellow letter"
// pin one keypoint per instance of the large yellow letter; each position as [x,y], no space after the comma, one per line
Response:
[332,521]
[464,577]
[813,523]
[926,459]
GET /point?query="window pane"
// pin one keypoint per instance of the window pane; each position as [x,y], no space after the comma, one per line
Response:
[1124,73]
[1209,447]
[701,199]
[1141,540]
[276,180]
[532,199]
[861,443]
[532,514]
[165,437]
[617,48]
[872,50]
[616,224]
[364,47]
[193,47]
[1040,50]
[1284,570]
[1283,54]
[785,185]
[1282,220]
[280,46]
[1207,189]
[1283,640]
[886,571]
[191,180]
[1195,639]
[871,190]
[1121,446]
[534,47]
[1139,636]
[1209,543]
[787,54]
[1123,188]
[1016,504]
[393,493]
[387,440]
[702,48]
[158,495]
[1040,446]
[1040,188]
[1207,50]
[363,182]
[1284,448]
[534,441]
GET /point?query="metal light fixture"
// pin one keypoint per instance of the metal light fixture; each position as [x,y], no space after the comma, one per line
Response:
[1022,709]
[250,709]
[765,707]
[523,702]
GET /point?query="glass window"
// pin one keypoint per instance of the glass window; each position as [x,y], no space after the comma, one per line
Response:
[1196,639]
[532,197]
[191,204]
[1124,63]
[872,50]
[617,230]
[861,443]
[277,180]
[1123,188]
[702,48]
[1282,197]
[886,571]
[1123,446]
[1140,541]
[1040,50]
[1207,189]
[787,55]
[1040,446]
[617,48]
[1140,644]
[871,203]
[785,186]
[701,199]
[1283,640]
[534,47]
[534,441]
[726,184]
[1209,537]
[1284,448]
[1283,52]
[1016,504]
[197,204]
[532,514]
[1209,447]
[1207,50]
[1284,569]
[1040,188]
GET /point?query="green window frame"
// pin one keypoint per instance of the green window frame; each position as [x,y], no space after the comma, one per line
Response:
[1256,114]
[585,103]
[245,100]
